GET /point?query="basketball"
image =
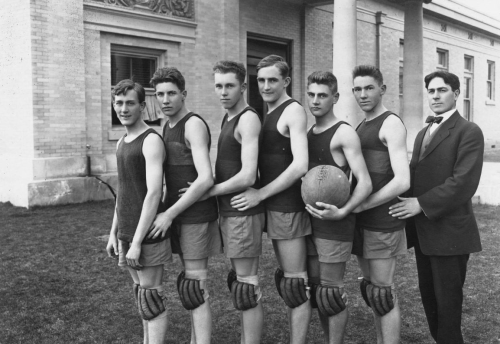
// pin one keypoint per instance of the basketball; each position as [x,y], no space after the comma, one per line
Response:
[327,184]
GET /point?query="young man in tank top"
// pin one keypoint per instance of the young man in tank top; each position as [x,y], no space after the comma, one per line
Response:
[332,142]
[379,237]
[195,233]
[283,160]
[140,154]
[235,171]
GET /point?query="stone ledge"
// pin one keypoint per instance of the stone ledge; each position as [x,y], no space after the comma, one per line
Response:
[70,190]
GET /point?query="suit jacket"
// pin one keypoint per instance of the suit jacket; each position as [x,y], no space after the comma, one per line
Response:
[444,181]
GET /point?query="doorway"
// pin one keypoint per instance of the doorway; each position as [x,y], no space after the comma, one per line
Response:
[258,47]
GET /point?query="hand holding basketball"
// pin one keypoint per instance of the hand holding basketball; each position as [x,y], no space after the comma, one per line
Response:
[329,211]
[325,184]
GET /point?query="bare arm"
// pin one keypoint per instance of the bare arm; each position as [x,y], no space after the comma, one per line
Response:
[393,133]
[112,246]
[295,121]
[154,153]
[197,137]
[248,129]
[348,140]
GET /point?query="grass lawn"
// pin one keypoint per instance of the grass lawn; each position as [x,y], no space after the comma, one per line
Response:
[58,286]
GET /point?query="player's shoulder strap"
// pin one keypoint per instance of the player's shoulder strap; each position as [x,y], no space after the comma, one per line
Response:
[192,114]
[248,108]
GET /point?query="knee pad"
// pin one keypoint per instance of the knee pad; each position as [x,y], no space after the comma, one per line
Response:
[190,292]
[313,286]
[231,277]
[245,292]
[331,300]
[362,287]
[292,287]
[151,302]
[381,299]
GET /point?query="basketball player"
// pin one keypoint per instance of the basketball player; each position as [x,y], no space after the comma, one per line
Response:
[140,154]
[335,143]
[283,160]
[379,237]
[235,171]
[195,233]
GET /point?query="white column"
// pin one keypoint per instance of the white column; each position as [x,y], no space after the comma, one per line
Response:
[413,83]
[345,57]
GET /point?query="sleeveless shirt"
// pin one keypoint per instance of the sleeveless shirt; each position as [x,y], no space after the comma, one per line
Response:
[378,162]
[132,188]
[320,154]
[275,155]
[228,164]
[179,170]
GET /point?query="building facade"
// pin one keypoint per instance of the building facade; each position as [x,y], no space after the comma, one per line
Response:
[58,128]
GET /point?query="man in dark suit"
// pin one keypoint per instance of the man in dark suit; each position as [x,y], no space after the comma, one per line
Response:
[445,171]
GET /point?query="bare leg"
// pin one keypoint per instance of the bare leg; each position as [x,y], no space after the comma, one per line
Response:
[382,273]
[365,270]
[313,272]
[201,317]
[252,320]
[151,277]
[292,257]
[332,274]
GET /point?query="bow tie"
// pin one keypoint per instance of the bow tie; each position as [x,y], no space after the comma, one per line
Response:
[434,119]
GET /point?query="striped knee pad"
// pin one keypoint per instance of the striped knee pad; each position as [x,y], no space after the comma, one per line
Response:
[381,298]
[150,302]
[292,287]
[331,300]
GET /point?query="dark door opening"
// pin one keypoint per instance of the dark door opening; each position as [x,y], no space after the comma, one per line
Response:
[259,47]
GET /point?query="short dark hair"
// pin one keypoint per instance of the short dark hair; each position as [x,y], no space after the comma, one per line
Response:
[275,60]
[449,79]
[368,70]
[225,66]
[168,74]
[126,85]
[323,78]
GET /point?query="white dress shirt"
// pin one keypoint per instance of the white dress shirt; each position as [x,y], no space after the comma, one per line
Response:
[445,116]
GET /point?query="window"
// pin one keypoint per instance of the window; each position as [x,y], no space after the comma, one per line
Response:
[468,74]
[442,56]
[468,60]
[490,82]
[468,82]
[137,64]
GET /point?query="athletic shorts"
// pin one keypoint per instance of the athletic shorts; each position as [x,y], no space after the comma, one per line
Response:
[328,251]
[288,225]
[377,245]
[196,240]
[242,235]
[158,253]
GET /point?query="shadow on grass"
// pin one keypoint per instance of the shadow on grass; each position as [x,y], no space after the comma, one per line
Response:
[58,286]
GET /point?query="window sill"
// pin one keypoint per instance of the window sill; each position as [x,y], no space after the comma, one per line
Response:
[490,102]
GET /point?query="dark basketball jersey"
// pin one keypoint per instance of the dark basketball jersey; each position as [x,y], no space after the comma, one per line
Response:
[179,170]
[132,188]
[228,164]
[320,154]
[378,162]
[275,155]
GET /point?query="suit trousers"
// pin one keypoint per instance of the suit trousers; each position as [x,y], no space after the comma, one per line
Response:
[441,280]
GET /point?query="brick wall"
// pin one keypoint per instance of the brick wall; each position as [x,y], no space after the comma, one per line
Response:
[58,78]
